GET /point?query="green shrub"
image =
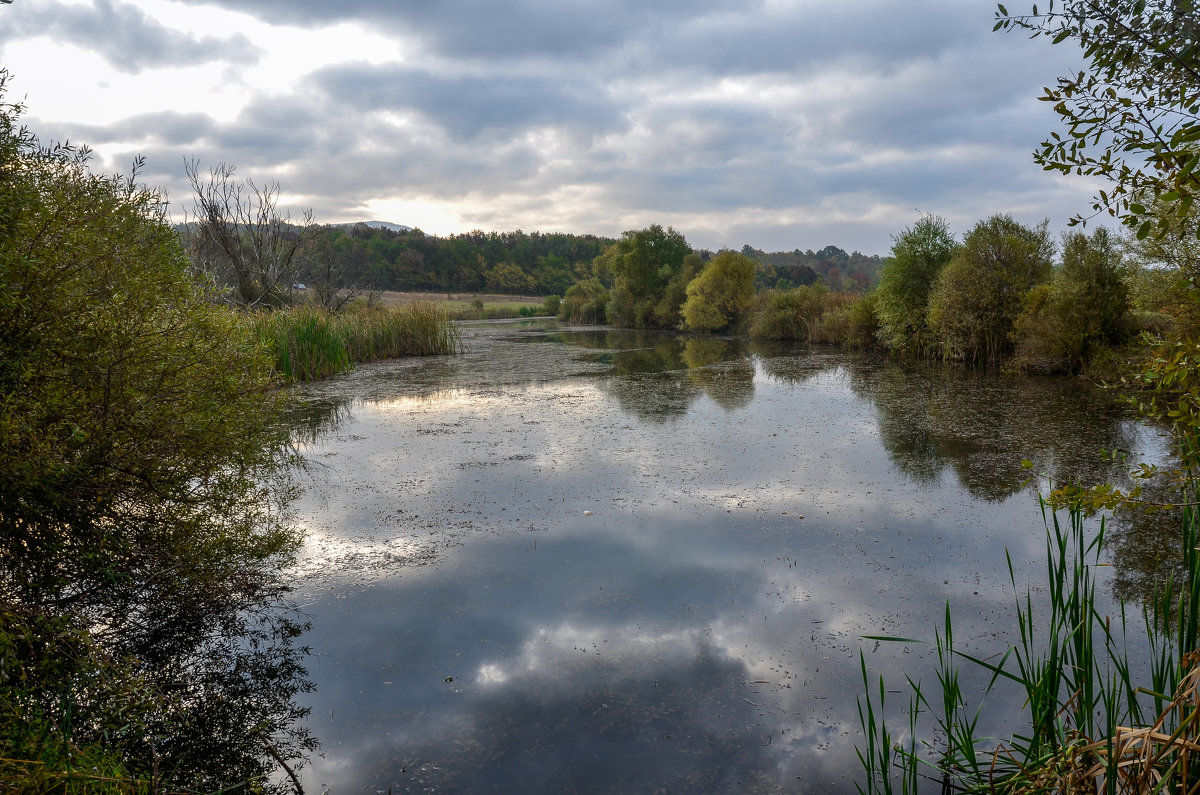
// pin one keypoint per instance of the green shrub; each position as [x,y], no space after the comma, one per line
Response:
[144,481]
[584,302]
[1082,310]
[801,314]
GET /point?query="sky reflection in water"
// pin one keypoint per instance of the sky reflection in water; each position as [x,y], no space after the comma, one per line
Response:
[575,561]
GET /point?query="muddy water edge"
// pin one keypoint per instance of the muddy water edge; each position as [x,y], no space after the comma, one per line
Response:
[591,560]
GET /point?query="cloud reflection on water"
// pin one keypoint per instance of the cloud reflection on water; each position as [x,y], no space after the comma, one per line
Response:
[691,632]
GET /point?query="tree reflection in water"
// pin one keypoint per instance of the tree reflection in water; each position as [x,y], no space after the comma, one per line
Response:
[679,370]
[666,558]
[981,425]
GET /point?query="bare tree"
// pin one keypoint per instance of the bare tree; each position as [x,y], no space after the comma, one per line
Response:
[239,240]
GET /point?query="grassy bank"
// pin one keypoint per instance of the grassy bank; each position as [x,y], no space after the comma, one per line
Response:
[307,343]
[469,306]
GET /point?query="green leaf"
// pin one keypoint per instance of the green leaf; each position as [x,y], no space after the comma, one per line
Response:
[1187,133]
[1003,10]
[1144,230]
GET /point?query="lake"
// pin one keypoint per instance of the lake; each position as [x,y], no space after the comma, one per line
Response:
[594,560]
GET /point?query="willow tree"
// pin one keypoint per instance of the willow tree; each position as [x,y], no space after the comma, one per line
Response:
[643,263]
[719,297]
[143,476]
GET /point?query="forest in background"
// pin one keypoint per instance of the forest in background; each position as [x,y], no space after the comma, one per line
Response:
[526,263]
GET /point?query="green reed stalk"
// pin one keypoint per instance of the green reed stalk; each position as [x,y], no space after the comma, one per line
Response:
[1074,676]
[309,343]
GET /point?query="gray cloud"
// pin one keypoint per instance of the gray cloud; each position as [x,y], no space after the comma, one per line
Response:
[468,105]
[122,34]
[782,125]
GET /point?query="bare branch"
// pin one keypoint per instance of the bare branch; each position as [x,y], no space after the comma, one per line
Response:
[239,239]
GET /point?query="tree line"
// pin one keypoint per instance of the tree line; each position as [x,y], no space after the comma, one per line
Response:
[524,263]
[1005,293]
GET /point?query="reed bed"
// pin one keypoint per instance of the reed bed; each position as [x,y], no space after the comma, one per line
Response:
[1094,725]
[308,343]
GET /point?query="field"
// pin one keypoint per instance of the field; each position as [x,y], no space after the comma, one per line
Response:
[461,304]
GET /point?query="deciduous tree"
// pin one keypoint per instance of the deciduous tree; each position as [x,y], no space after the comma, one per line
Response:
[239,239]
[1083,309]
[643,263]
[979,294]
[142,477]
[718,298]
[919,253]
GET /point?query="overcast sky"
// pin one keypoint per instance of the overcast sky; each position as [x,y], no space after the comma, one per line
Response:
[782,123]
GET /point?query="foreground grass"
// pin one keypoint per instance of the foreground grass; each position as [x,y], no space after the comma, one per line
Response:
[1094,724]
[308,343]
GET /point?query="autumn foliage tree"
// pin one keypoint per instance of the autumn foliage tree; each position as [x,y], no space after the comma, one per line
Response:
[719,297]
[142,477]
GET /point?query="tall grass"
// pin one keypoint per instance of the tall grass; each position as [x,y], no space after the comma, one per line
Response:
[1093,724]
[308,343]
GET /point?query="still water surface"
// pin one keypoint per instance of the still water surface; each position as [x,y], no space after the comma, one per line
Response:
[587,560]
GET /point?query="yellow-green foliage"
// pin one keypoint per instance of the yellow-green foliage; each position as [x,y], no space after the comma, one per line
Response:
[143,469]
[718,298]
[308,343]
[584,302]
[854,323]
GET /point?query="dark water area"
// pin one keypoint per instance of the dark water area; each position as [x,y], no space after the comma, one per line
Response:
[587,560]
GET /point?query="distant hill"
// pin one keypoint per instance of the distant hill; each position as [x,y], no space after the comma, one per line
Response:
[388,225]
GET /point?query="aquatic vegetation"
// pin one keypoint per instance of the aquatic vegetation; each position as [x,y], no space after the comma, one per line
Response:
[307,343]
[803,313]
[1094,723]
